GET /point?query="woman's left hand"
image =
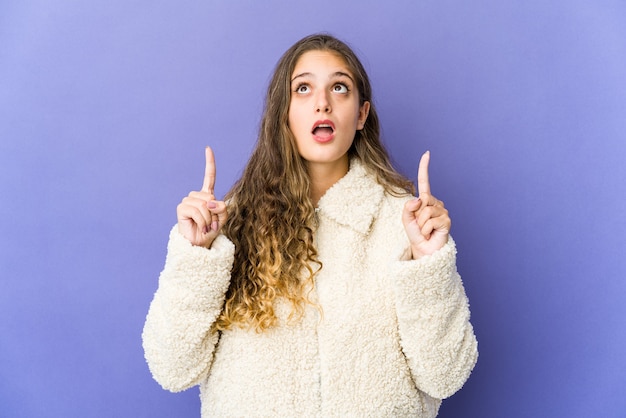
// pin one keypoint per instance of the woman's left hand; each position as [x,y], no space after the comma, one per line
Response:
[425,218]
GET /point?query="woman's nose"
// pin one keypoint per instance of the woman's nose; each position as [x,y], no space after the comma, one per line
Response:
[322,104]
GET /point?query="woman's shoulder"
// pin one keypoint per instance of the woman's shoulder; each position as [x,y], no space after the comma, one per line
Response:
[396,198]
[394,194]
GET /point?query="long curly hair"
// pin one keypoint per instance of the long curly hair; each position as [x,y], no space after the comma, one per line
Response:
[271,216]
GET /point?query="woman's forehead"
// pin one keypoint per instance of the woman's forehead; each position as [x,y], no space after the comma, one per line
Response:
[321,63]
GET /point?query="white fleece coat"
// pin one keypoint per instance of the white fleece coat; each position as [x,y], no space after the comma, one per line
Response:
[394,338]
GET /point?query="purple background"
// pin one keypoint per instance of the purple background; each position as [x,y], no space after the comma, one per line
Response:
[105,109]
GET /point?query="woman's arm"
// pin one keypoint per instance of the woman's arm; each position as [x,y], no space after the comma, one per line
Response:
[433,314]
[178,336]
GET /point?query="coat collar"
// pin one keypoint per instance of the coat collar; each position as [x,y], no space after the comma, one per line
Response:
[354,200]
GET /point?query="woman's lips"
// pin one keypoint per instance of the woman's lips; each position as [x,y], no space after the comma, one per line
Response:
[323,131]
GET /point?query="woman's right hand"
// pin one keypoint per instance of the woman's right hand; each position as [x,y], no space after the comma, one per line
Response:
[200,216]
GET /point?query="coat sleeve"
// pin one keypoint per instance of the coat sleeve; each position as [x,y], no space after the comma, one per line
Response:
[178,335]
[433,314]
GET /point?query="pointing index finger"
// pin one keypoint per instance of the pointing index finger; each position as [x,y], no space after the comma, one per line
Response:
[423,184]
[209,172]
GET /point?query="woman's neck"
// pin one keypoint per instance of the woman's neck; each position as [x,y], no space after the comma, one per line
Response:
[324,175]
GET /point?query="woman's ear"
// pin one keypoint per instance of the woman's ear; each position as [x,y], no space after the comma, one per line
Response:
[364,110]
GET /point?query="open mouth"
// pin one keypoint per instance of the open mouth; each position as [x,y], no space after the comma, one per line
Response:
[323,130]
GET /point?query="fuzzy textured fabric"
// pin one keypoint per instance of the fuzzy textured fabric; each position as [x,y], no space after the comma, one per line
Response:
[393,339]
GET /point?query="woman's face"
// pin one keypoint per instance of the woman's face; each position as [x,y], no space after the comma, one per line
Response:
[324,111]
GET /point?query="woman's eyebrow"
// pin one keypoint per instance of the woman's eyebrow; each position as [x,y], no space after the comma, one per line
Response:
[301,75]
[333,75]
[341,74]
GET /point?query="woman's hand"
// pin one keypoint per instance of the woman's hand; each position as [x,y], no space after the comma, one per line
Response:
[425,218]
[200,216]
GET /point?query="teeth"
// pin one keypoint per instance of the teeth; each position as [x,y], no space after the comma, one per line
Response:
[323,125]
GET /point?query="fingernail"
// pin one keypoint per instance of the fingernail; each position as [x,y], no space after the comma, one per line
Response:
[205,230]
[211,205]
[214,225]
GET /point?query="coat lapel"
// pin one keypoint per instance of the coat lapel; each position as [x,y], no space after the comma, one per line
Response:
[354,200]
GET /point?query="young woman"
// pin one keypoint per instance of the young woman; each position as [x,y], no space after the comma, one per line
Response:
[320,287]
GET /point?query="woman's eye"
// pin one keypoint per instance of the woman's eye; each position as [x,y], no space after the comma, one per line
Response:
[302,88]
[340,88]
